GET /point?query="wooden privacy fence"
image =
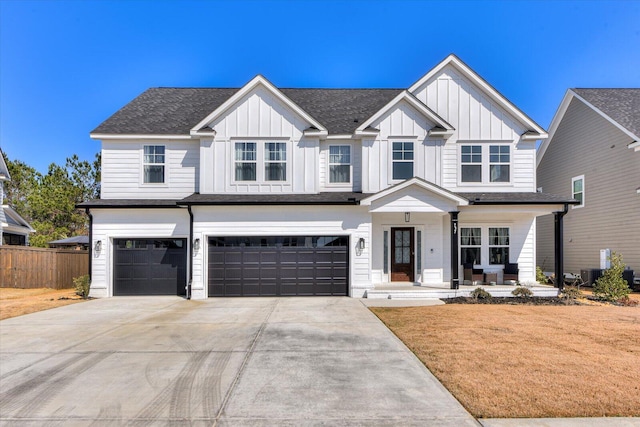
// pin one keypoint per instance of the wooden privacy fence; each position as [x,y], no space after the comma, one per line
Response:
[25,267]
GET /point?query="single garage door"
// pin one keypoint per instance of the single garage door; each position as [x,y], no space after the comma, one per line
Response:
[278,266]
[149,266]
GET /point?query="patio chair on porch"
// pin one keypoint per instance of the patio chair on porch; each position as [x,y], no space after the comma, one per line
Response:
[510,274]
[472,276]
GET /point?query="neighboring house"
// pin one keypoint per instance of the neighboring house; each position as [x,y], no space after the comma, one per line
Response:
[76,242]
[593,154]
[270,191]
[14,230]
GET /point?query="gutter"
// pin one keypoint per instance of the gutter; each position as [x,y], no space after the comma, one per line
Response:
[190,281]
[88,212]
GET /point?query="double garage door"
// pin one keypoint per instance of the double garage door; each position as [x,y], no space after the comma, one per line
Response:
[278,266]
[238,266]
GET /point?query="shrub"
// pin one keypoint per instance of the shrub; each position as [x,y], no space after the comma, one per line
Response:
[82,285]
[628,302]
[570,292]
[479,293]
[540,277]
[611,286]
[521,291]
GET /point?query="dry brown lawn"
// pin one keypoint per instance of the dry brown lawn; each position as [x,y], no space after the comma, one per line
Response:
[16,302]
[528,361]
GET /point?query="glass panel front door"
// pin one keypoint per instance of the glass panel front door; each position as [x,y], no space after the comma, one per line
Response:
[402,254]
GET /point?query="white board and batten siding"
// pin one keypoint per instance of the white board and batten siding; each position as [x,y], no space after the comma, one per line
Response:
[356,166]
[353,221]
[400,124]
[476,119]
[122,170]
[109,224]
[259,117]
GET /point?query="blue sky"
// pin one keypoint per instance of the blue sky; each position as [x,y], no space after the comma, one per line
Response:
[65,66]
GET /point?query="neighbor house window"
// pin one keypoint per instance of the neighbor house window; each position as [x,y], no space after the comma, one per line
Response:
[498,245]
[339,164]
[275,161]
[577,190]
[470,245]
[245,160]
[153,164]
[499,163]
[402,154]
[471,163]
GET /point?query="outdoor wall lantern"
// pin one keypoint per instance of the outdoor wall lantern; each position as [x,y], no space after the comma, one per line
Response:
[98,246]
[196,245]
[361,243]
[407,216]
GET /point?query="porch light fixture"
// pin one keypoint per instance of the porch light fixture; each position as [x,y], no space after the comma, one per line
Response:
[97,246]
[407,216]
[196,245]
[361,243]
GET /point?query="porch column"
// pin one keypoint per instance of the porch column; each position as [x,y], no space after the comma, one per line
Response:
[558,247]
[454,249]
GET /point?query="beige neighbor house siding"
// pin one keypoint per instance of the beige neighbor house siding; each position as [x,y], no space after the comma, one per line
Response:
[587,144]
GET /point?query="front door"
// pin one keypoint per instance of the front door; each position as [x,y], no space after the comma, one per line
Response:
[402,251]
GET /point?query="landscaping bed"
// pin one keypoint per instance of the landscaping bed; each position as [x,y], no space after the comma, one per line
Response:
[513,301]
[522,360]
[16,302]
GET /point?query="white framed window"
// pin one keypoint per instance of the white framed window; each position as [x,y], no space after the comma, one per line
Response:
[484,245]
[577,190]
[485,165]
[245,161]
[255,161]
[498,245]
[470,245]
[499,163]
[153,164]
[339,164]
[471,163]
[402,155]
[275,161]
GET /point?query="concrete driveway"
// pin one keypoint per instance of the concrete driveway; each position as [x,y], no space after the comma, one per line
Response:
[243,361]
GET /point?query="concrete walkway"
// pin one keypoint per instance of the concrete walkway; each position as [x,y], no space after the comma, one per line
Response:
[242,361]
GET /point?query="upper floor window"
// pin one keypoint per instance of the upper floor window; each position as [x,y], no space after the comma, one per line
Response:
[153,164]
[339,164]
[245,160]
[402,154]
[499,163]
[275,161]
[481,166]
[577,190]
[471,163]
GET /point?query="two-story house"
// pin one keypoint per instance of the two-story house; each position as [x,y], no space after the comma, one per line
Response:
[14,230]
[593,155]
[263,190]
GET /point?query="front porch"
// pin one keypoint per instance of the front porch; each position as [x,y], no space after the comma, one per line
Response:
[407,291]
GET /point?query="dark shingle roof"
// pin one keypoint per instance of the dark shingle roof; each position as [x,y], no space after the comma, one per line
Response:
[128,203]
[174,111]
[622,105]
[328,198]
[521,198]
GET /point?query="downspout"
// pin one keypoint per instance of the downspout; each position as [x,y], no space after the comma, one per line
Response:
[190,252]
[559,246]
[88,212]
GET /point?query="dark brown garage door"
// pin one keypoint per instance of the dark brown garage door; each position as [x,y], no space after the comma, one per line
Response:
[279,266]
[149,266]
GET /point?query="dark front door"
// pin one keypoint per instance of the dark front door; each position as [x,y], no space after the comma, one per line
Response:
[402,254]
